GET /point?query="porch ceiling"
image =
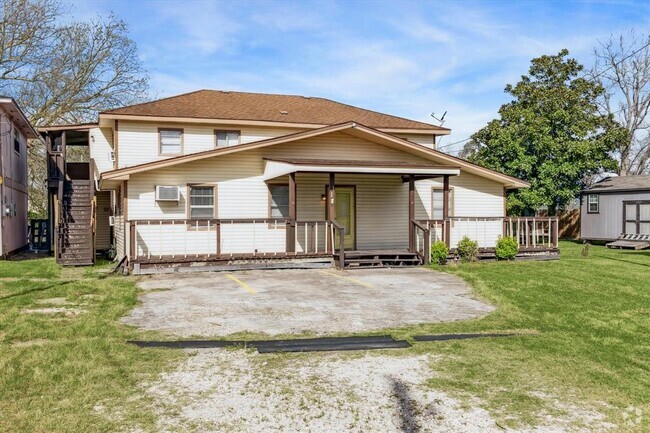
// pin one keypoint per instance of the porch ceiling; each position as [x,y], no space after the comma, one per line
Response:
[279,167]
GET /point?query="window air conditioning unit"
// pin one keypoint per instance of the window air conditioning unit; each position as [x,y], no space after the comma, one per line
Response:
[168,193]
[111,221]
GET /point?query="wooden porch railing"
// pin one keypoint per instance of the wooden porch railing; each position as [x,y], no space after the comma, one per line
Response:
[185,239]
[341,234]
[530,232]
[422,242]
[533,232]
[188,240]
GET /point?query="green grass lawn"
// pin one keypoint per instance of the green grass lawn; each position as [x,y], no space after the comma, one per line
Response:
[587,321]
[70,372]
[593,318]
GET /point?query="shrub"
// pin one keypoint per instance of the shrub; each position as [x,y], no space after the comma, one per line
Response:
[439,252]
[506,248]
[468,249]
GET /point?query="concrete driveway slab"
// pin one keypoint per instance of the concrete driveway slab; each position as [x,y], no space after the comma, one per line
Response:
[296,301]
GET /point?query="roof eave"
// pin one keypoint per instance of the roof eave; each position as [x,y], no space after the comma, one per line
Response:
[252,122]
[28,130]
[70,127]
[616,190]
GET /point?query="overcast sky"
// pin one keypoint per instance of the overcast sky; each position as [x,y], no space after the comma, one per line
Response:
[404,58]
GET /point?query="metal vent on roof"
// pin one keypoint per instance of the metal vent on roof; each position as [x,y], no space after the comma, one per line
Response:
[284,112]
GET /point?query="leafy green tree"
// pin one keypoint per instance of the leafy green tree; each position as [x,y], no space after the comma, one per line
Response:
[551,134]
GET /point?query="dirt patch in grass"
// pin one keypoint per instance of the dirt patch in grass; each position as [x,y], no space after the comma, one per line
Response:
[54,301]
[68,312]
[227,390]
[30,343]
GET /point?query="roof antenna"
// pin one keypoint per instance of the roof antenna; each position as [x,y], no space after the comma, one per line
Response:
[441,120]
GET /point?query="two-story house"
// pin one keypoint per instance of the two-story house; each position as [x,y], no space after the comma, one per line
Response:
[15,130]
[213,178]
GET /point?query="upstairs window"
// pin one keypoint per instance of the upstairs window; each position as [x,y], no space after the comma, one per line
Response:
[437,201]
[227,138]
[16,142]
[593,203]
[171,141]
[279,201]
[201,202]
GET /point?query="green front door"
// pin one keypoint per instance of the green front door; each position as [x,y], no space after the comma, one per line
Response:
[345,215]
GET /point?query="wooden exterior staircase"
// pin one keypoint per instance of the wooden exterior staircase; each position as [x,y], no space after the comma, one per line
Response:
[76,237]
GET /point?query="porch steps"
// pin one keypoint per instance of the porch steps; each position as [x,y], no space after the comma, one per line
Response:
[379,259]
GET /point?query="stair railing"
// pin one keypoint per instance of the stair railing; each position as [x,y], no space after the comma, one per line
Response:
[341,234]
[59,217]
[422,247]
[93,205]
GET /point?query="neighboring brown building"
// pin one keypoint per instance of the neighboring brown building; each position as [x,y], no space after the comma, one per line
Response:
[15,130]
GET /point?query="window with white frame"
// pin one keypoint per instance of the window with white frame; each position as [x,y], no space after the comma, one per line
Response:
[171,141]
[201,202]
[593,203]
[227,138]
[278,201]
[437,201]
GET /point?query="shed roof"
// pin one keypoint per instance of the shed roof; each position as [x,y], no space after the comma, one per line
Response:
[621,183]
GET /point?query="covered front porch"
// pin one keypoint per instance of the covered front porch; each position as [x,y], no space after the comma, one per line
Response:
[357,213]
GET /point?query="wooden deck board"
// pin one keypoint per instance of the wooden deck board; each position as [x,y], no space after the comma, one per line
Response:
[630,245]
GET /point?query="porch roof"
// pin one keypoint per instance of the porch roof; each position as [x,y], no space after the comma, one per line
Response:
[279,167]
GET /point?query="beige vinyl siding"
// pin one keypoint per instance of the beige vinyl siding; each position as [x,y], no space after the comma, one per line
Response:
[101,140]
[119,230]
[474,196]
[423,139]
[381,200]
[138,141]
[103,211]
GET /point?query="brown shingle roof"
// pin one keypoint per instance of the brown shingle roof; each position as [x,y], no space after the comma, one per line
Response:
[216,104]
[621,183]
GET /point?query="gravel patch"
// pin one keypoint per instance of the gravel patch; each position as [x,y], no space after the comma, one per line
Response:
[240,391]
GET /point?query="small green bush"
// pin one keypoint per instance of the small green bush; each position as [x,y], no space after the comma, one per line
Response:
[439,253]
[467,249]
[506,248]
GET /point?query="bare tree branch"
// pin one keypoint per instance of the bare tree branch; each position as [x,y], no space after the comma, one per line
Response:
[623,69]
[64,73]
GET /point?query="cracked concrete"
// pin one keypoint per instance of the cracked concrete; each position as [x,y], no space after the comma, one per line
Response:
[313,301]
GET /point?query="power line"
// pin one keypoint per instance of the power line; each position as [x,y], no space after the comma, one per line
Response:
[451,144]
